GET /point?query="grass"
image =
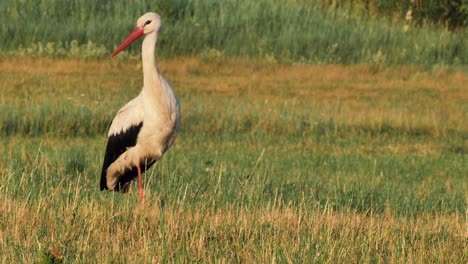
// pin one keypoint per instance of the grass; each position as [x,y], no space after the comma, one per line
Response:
[274,163]
[279,31]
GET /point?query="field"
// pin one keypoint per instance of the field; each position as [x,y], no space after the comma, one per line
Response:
[274,163]
[309,134]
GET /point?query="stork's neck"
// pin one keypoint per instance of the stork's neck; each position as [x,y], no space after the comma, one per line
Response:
[150,72]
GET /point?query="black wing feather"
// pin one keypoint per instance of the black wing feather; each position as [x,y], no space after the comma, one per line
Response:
[116,145]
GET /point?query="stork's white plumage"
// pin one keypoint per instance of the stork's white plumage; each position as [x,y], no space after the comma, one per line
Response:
[145,127]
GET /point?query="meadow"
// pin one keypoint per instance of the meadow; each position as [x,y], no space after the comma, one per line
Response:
[308,135]
[274,163]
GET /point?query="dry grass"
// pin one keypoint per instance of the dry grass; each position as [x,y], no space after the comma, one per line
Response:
[88,231]
[405,97]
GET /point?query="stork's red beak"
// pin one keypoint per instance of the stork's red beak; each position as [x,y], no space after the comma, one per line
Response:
[136,34]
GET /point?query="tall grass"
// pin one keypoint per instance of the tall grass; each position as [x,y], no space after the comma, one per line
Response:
[291,31]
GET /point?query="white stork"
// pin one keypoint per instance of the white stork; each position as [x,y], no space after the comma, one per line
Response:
[146,126]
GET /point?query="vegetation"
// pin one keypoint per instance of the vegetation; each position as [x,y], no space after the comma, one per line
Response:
[452,13]
[274,163]
[287,153]
[293,31]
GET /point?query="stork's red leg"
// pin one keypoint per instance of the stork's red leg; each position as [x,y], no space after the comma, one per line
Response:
[141,191]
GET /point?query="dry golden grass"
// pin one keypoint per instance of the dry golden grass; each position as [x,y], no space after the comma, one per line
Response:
[238,76]
[150,233]
[404,98]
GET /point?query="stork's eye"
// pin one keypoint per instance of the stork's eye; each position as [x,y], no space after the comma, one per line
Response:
[147,22]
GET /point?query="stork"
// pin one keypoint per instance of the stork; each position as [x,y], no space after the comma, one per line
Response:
[145,127]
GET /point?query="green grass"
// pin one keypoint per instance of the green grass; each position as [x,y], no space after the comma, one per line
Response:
[273,163]
[291,31]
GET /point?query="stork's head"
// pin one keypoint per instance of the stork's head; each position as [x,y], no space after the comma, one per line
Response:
[146,24]
[149,22]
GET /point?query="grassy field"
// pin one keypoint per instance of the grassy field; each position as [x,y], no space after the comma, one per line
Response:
[274,163]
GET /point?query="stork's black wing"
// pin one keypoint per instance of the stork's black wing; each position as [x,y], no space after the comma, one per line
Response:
[116,145]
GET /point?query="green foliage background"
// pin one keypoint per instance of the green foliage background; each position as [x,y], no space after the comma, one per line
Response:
[452,12]
[286,31]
